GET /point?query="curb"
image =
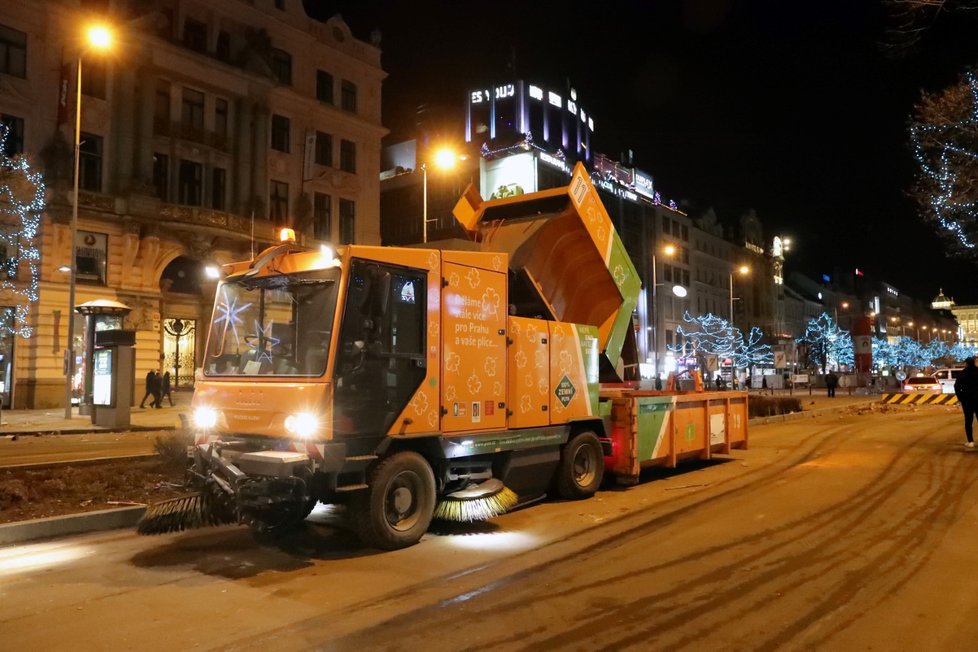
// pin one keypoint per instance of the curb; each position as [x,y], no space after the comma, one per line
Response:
[59,526]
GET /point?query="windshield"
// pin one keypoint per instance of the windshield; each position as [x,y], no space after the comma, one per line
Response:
[922,380]
[272,326]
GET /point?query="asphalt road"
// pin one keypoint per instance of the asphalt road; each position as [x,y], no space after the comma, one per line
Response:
[836,533]
[47,448]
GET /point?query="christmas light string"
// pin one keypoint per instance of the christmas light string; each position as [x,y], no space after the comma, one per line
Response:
[21,197]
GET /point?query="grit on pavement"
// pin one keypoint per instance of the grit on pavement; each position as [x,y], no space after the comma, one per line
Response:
[842,532]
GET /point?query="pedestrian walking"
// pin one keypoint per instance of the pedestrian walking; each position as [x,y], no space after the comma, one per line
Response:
[165,390]
[157,390]
[763,384]
[966,389]
[831,382]
[718,381]
[150,385]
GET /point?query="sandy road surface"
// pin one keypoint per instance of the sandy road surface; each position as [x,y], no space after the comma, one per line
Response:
[843,533]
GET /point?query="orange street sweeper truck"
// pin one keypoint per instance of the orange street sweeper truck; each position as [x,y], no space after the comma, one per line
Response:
[412,384]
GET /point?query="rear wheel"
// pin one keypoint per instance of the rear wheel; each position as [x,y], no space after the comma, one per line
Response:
[396,508]
[581,467]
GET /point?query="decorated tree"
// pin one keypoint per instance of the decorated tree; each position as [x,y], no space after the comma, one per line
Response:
[708,335]
[752,351]
[827,344]
[21,203]
[962,350]
[712,335]
[937,353]
[885,355]
[944,137]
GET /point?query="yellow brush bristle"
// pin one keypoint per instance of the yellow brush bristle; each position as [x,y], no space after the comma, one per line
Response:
[476,509]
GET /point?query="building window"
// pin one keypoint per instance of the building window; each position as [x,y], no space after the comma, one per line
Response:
[322,216]
[195,35]
[161,175]
[190,183]
[91,251]
[281,62]
[348,96]
[94,76]
[685,233]
[90,163]
[348,221]
[218,188]
[13,142]
[280,133]
[348,156]
[324,149]
[221,120]
[278,201]
[324,86]
[686,278]
[193,114]
[667,273]
[13,52]
[161,111]
[223,50]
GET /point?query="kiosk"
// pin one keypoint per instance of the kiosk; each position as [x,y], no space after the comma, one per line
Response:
[113,376]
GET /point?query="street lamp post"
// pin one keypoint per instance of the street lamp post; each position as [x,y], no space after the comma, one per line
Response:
[444,159]
[742,270]
[99,38]
[668,250]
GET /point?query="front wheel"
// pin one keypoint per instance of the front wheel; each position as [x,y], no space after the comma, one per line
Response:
[396,508]
[581,467]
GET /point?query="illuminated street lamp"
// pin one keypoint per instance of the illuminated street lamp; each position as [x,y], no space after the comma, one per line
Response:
[670,251]
[98,38]
[743,270]
[444,159]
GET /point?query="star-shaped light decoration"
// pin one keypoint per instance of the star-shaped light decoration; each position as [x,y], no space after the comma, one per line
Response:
[229,313]
[264,342]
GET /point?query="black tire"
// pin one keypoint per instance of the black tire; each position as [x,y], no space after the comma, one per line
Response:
[581,467]
[395,510]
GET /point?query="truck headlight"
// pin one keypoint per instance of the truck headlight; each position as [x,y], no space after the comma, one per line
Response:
[205,417]
[303,424]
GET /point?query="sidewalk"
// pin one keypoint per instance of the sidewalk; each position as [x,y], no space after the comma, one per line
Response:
[53,419]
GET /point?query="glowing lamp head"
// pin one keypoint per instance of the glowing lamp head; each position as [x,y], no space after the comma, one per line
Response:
[743,269]
[286,235]
[212,272]
[445,158]
[99,37]
[669,250]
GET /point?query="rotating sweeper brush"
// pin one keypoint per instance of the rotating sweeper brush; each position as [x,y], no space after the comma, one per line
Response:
[184,513]
[476,503]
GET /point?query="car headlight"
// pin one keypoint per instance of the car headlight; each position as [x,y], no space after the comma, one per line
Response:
[303,424]
[205,417]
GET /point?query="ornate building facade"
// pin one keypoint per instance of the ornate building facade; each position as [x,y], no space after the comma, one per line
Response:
[207,127]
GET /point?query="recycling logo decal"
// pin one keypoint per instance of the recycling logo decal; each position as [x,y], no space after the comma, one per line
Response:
[565,391]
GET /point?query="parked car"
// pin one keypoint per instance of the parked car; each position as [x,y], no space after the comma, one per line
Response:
[922,385]
[946,378]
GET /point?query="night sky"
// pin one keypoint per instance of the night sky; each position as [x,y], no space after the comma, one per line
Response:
[789,108]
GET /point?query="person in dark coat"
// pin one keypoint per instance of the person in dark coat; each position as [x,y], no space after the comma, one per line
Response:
[831,382]
[966,389]
[165,390]
[151,381]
